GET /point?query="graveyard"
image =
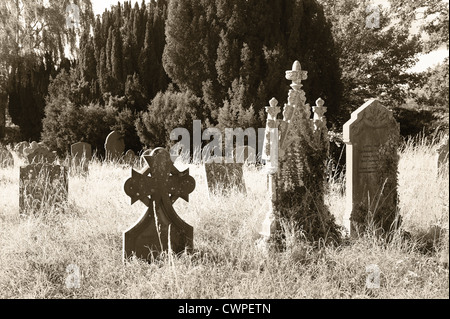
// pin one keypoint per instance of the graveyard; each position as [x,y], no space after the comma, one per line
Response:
[74,248]
[211,150]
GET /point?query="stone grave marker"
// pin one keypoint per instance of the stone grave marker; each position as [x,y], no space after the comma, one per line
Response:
[295,152]
[38,153]
[81,155]
[42,183]
[19,147]
[129,157]
[245,154]
[6,158]
[158,186]
[372,138]
[221,176]
[442,154]
[114,146]
[142,161]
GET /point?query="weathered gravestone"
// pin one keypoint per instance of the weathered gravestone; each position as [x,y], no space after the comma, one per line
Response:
[158,187]
[38,153]
[142,161]
[3,102]
[81,155]
[295,150]
[41,184]
[372,138]
[6,158]
[442,154]
[129,157]
[19,147]
[245,154]
[114,146]
[221,176]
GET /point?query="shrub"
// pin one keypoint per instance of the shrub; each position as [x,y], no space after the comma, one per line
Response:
[168,110]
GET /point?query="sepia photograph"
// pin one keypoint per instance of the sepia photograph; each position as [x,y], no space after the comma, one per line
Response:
[224,157]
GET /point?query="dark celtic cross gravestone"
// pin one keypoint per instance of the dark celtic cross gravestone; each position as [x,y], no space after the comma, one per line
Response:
[158,186]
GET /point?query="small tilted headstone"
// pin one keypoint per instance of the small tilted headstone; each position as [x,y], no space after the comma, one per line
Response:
[6,158]
[142,161]
[222,177]
[114,146]
[81,155]
[38,153]
[130,157]
[442,154]
[41,184]
[19,148]
[372,137]
[160,229]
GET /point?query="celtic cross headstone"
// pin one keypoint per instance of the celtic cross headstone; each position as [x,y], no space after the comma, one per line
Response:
[160,229]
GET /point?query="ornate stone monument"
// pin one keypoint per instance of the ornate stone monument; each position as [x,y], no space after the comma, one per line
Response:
[295,149]
[371,137]
[158,186]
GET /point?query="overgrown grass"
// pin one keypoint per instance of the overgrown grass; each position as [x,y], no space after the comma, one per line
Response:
[36,250]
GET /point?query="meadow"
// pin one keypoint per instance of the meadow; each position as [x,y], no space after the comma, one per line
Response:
[40,253]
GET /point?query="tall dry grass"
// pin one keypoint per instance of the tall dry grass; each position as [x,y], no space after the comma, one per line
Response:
[38,253]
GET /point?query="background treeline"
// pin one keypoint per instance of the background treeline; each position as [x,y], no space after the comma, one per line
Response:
[148,68]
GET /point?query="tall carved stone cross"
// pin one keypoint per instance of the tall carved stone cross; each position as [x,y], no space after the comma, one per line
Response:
[160,228]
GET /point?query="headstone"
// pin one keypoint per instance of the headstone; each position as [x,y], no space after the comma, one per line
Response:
[38,153]
[42,183]
[222,177]
[372,138]
[142,161]
[81,155]
[442,154]
[114,146]
[3,102]
[295,150]
[245,154]
[6,158]
[129,157]
[158,186]
[20,147]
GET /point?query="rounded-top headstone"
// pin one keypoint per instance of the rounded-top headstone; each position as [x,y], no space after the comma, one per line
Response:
[114,145]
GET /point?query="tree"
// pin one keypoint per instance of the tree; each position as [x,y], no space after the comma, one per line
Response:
[168,110]
[33,33]
[210,44]
[373,58]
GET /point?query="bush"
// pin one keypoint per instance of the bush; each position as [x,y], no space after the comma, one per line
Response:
[168,110]
[65,124]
